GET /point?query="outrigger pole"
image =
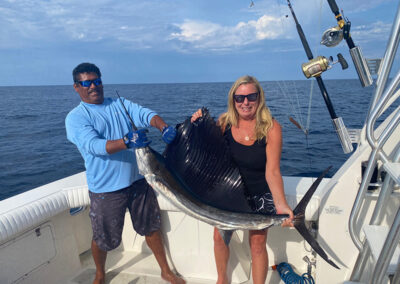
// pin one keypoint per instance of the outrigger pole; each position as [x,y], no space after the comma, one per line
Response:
[338,123]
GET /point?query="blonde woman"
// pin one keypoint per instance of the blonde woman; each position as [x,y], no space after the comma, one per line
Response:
[255,142]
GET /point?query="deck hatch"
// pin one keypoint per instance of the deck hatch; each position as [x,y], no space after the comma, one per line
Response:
[24,254]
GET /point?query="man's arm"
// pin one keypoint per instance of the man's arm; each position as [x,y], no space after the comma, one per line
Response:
[168,132]
[114,146]
[158,122]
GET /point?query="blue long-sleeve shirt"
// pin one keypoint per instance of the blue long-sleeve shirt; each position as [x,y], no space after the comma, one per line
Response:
[89,126]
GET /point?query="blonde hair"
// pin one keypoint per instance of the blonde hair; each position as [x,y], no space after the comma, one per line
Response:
[263,115]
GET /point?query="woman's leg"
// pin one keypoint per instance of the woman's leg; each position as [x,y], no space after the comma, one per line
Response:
[259,266]
[221,253]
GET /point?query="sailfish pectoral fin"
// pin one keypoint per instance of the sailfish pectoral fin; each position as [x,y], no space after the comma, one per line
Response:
[299,213]
[302,229]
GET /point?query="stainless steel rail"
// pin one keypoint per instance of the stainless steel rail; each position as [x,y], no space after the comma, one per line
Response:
[396,277]
[379,103]
[382,99]
[385,194]
[383,261]
[388,60]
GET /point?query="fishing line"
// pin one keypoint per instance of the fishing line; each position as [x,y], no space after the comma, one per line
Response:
[299,114]
[293,98]
[295,111]
[312,81]
[311,93]
[309,106]
[296,108]
[284,87]
[294,101]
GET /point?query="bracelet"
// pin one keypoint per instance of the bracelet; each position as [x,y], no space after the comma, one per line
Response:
[126,140]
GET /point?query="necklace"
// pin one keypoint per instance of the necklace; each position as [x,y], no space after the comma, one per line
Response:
[246,137]
[245,133]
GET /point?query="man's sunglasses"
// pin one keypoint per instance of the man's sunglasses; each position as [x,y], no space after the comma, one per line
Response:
[88,83]
[250,97]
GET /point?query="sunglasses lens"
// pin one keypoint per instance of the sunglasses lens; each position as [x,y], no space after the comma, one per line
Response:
[252,97]
[87,83]
[239,98]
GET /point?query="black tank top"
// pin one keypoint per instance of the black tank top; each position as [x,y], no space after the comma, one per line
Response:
[251,161]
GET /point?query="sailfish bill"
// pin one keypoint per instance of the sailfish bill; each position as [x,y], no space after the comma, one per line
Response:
[185,177]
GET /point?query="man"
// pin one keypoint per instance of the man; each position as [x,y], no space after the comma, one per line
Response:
[102,132]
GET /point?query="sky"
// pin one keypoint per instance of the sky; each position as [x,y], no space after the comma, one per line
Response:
[179,41]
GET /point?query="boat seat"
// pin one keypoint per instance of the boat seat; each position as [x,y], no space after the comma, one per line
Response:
[36,208]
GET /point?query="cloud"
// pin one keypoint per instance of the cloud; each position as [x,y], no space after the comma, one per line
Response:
[207,35]
[155,24]
[29,23]
[131,25]
[376,32]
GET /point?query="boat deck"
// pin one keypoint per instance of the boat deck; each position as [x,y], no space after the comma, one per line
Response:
[125,267]
[128,267]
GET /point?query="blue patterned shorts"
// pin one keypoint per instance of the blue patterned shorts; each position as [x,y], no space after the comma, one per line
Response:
[263,203]
[107,213]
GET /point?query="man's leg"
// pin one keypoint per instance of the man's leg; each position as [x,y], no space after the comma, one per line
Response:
[155,243]
[146,220]
[99,257]
[107,213]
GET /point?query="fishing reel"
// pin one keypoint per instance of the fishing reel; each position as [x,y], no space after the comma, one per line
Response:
[316,66]
[332,37]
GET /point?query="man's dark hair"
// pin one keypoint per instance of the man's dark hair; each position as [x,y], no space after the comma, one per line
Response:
[85,68]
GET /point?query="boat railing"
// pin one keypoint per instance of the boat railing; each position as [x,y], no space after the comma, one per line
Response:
[383,99]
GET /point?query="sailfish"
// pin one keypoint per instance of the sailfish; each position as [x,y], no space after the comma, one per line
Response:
[197,175]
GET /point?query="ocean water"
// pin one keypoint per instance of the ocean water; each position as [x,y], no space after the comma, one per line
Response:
[34,149]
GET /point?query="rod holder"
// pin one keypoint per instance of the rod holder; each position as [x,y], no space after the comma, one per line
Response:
[343,135]
[361,66]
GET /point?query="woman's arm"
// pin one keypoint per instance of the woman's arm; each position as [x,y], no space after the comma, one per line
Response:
[273,172]
[199,113]
[196,115]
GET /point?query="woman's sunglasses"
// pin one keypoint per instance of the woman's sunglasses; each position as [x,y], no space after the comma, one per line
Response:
[88,83]
[250,97]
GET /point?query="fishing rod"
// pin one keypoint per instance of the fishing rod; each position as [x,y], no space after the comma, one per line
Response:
[127,113]
[333,36]
[314,68]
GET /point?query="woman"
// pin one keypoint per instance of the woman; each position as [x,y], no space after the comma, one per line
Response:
[255,141]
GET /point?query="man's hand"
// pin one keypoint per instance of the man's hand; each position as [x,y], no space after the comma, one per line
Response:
[168,134]
[137,139]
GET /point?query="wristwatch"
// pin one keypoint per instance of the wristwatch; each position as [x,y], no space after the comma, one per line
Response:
[164,128]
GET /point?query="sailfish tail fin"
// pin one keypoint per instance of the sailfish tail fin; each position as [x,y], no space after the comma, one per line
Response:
[299,218]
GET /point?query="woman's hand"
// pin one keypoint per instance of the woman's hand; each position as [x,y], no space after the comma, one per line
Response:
[285,209]
[196,115]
